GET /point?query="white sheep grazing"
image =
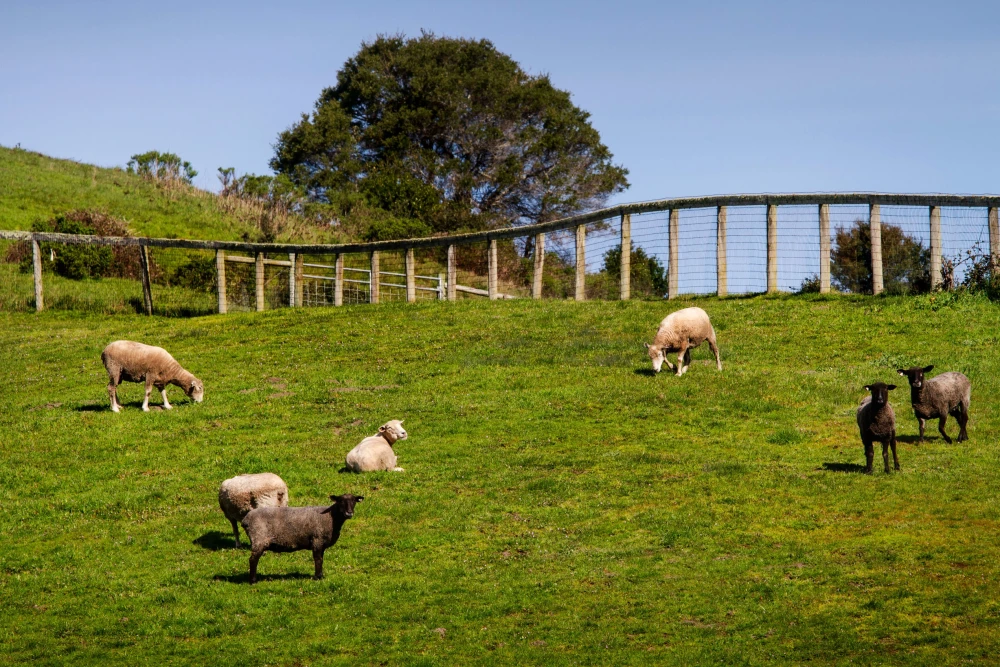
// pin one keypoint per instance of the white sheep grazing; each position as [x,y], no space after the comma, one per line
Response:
[375,452]
[238,495]
[127,361]
[679,332]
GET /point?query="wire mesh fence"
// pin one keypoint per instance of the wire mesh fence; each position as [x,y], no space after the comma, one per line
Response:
[726,245]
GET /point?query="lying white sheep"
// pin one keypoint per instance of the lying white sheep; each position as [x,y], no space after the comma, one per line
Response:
[127,361]
[238,495]
[679,332]
[375,452]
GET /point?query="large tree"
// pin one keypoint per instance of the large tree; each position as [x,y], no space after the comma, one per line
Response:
[905,261]
[450,132]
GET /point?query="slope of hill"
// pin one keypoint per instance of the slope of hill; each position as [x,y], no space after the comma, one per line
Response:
[37,187]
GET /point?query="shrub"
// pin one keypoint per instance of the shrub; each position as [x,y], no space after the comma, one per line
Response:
[166,168]
[647,275]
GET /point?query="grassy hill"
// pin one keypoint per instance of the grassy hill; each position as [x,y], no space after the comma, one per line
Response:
[560,504]
[37,187]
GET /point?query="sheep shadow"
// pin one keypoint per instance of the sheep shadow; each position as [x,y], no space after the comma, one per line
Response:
[914,439]
[125,405]
[648,372]
[345,470]
[93,407]
[215,540]
[244,577]
[844,467]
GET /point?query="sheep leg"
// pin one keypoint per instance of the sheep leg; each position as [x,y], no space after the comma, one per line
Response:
[687,359]
[885,456]
[149,390]
[923,423]
[318,562]
[715,350]
[113,393]
[236,532]
[963,419]
[166,403]
[869,456]
[895,459]
[254,557]
[941,422]
[680,360]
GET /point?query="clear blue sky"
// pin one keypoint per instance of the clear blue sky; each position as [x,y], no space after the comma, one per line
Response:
[694,98]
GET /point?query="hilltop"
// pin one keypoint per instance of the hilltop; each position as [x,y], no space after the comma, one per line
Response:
[37,187]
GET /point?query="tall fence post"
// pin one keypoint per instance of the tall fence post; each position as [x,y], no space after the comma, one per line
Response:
[936,278]
[772,248]
[625,291]
[411,278]
[291,279]
[875,224]
[374,278]
[299,270]
[994,225]
[452,273]
[36,263]
[673,253]
[147,291]
[442,287]
[580,291]
[259,281]
[824,248]
[536,277]
[220,279]
[721,268]
[338,282]
[491,260]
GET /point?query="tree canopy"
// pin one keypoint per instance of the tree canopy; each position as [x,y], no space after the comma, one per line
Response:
[905,262]
[448,132]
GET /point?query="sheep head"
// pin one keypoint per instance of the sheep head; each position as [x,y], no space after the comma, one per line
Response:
[393,431]
[915,375]
[196,390]
[343,506]
[656,356]
[880,392]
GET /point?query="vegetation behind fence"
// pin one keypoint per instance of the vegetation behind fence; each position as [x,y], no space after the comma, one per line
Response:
[722,245]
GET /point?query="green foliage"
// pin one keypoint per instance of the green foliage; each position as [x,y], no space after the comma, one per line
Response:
[647,275]
[162,167]
[905,262]
[810,285]
[450,131]
[550,484]
[388,228]
[196,274]
[73,261]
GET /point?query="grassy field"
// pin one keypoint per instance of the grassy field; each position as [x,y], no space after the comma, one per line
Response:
[560,504]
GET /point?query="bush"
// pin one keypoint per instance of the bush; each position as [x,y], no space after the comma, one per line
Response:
[392,228]
[197,274]
[905,262]
[810,285]
[167,168]
[647,275]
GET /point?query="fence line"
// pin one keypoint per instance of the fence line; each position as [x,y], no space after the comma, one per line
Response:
[522,268]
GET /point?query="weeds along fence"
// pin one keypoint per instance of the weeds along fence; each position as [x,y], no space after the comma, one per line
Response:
[732,244]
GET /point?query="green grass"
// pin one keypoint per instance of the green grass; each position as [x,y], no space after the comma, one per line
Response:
[38,187]
[560,505]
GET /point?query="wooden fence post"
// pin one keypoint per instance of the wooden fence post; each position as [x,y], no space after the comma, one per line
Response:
[338,283]
[259,281]
[625,292]
[673,252]
[721,268]
[411,280]
[220,273]
[36,263]
[299,271]
[994,225]
[373,278]
[147,291]
[824,248]
[580,292]
[452,273]
[491,259]
[442,287]
[772,248]
[875,224]
[536,278]
[936,278]
[291,279]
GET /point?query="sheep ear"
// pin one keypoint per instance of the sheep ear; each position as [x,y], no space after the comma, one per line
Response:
[928,369]
[901,371]
[868,387]
[381,429]
[358,499]
[890,387]
[647,345]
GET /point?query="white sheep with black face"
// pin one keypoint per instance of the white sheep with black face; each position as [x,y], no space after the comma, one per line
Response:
[128,361]
[679,332]
[375,452]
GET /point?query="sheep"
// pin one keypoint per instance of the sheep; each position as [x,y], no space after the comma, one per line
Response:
[127,361]
[877,422]
[679,332]
[243,493]
[284,529]
[946,394]
[375,452]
